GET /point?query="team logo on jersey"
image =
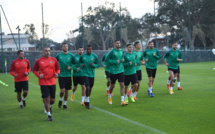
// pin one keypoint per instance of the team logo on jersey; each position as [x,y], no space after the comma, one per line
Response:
[91,59]
[50,61]
[23,62]
[68,58]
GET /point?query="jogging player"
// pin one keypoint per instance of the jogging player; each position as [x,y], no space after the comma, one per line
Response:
[66,62]
[174,57]
[47,70]
[115,60]
[151,56]
[89,61]
[140,61]
[19,69]
[130,72]
[107,69]
[178,80]
[77,73]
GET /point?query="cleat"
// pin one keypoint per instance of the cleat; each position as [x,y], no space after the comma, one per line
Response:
[82,103]
[129,92]
[109,100]
[49,118]
[151,95]
[21,107]
[24,103]
[65,107]
[179,88]
[51,109]
[107,92]
[132,99]
[135,98]
[60,104]
[171,92]
[123,103]
[72,97]
[87,105]
[167,86]
[126,100]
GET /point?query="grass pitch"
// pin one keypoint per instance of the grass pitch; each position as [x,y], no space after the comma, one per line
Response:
[190,111]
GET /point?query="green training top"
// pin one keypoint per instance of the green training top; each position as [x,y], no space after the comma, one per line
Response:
[130,69]
[77,65]
[138,60]
[64,61]
[172,58]
[152,60]
[111,59]
[105,63]
[89,70]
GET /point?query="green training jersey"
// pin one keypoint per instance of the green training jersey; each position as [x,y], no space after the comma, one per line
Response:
[130,68]
[172,58]
[77,65]
[152,60]
[139,59]
[64,61]
[89,70]
[105,63]
[113,56]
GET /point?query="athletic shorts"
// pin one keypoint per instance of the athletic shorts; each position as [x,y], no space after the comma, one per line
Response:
[88,81]
[65,82]
[107,74]
[178,70]
[151,72]
[21,85]
[120,77]
[139,75]
[130,78]
[48,90]
[78,80]
[175,71]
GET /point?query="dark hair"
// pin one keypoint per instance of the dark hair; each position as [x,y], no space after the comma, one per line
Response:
[116,40]
[128,44]
[89,46]
[136,42]
[64,43]
[173,42]
[150,42]
[80,47]
[19,51]
[110,46]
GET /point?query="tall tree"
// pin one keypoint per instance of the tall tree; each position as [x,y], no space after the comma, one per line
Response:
[30,30]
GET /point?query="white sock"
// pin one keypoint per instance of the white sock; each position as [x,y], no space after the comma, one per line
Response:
[122,98]
[87,99]
[20,103]
[179,84]
[109,95]
[132,94]
[150,89]
[135,93]
[108,88]
[48,113]
[126,96]
[23,98]
[83,97]
[73,93]
[170,88]
[65,102]
[168,82]
[61,98]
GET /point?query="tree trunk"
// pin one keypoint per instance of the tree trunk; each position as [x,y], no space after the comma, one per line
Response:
[103,41]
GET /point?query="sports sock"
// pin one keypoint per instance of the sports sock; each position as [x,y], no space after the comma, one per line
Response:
[135,93]
[50,106]
[130,89]
[122,98]
[126,96]
[23,98]
[48,113]
[20,103]
[83,97]
[170,88]
[179,84]
[132,94]
[73,93]
[108,88]
[61,98]
[150,89]
[65,102]
[109,95]
[87,99]
[174,80]
[168,82]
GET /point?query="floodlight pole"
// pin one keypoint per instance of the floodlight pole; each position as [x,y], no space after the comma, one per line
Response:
[1,44]
[18,35]
[82,19]
[43,27]
[155,27]
[120,24]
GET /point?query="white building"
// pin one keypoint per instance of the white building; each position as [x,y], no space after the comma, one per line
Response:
[10,45]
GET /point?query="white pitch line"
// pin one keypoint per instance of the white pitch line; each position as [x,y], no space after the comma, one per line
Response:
[126,119]
[118,116]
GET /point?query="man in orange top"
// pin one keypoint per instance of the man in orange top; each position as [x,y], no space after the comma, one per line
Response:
[19,69]
[49,70]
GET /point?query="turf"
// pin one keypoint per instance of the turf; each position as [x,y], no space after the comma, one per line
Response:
[190,111]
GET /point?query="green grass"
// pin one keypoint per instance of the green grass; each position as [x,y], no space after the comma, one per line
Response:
[190,111]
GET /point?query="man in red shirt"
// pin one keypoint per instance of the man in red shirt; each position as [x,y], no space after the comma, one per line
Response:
[19,69]
[47,70]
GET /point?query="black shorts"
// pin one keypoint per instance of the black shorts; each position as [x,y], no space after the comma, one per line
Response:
[107,74]
[48,90]
[175,71]
[114,77]
[88,81]
[65,82]
[178,70]
[21,85]
[139,75]
[130,78]
[78,80]
[151,72]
